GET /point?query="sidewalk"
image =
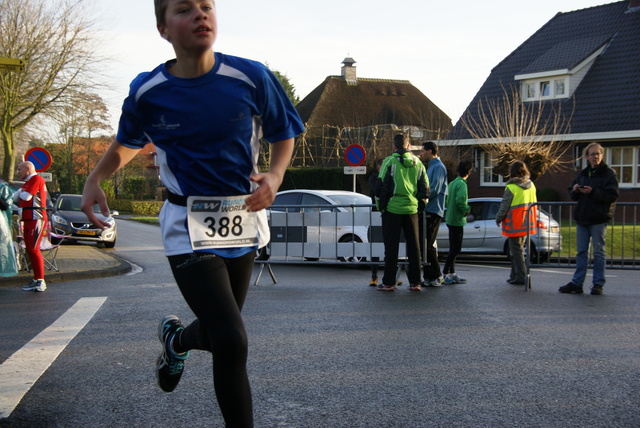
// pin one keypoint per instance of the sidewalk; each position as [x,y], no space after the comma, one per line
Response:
[75,262]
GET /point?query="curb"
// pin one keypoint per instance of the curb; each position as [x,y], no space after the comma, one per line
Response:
[122,268]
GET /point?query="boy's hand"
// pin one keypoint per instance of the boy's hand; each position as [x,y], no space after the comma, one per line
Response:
[268,184]
[93,194]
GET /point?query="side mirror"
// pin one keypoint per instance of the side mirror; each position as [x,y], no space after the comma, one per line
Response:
[114,213]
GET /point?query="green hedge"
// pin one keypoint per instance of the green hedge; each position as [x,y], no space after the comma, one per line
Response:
[313,178]
[141,208]
[294,178]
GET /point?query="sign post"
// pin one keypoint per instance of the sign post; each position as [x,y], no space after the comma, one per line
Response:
[355,155]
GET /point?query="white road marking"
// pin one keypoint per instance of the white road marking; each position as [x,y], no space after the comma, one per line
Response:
[21,370]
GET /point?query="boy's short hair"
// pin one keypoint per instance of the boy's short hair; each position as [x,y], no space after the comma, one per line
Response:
[161,10]
[464,168]
[398,141]
[430,145]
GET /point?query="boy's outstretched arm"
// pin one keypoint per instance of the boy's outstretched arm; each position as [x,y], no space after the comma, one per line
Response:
[114,158]
[269,182]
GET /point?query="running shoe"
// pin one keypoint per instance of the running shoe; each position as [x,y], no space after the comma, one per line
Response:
[373,282]
[170,365]
[453,278]
[382,287]
[415,287]
[438,282]
[36,285]
[570,288]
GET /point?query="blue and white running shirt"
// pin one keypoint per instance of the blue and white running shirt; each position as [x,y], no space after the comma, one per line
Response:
[207,131]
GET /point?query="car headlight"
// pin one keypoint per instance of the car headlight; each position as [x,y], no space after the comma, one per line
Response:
[60,220]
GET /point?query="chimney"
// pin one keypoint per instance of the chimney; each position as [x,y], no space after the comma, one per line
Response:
[349,71]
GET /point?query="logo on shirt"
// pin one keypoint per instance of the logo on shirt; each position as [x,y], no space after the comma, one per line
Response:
[165,126]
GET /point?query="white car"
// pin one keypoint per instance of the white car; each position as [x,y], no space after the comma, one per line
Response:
[483,236]
[312,222]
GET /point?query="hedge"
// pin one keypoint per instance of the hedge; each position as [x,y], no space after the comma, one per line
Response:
[294,178]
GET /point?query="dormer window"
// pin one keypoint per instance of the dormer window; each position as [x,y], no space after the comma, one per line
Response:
[544,89]
[558,71]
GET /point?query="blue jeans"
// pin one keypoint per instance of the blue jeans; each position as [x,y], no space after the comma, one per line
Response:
[596,234]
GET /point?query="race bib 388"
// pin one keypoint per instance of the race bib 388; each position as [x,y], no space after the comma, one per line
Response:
[220,222]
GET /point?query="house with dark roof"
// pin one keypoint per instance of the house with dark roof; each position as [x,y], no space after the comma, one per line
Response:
[583,66]
[348,109]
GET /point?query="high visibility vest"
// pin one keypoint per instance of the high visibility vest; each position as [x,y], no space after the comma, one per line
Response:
[523,213]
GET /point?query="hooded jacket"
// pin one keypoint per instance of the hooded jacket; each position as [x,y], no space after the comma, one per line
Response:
[517,211]
[598,206]
[403,182]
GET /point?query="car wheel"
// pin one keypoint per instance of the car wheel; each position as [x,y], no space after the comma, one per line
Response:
[350,239]
[109,244]
[56,240]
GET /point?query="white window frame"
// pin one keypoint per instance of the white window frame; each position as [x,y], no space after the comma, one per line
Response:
[632,161]
[486,165]
[532,89]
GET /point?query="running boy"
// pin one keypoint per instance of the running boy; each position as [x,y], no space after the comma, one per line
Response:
[205,112]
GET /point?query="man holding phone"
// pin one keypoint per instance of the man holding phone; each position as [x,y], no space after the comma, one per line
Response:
[596,191]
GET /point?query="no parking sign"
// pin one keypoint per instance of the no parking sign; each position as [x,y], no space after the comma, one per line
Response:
[355,155]
[39,157]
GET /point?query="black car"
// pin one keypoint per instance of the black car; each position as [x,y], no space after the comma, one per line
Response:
[68,220]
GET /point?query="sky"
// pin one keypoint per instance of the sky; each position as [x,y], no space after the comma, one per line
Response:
[446,49]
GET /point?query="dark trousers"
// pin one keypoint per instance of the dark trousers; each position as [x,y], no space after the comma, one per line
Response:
[392,224]
[456,233]
[432,269]
[215,289]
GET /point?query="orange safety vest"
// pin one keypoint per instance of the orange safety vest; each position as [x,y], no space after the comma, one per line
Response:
[522,214]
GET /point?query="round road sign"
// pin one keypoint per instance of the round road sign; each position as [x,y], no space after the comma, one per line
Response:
[355,155]
[39,157]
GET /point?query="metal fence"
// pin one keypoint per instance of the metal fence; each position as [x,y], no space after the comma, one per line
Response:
[353,234]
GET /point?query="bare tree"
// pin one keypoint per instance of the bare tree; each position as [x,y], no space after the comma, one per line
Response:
[75,123]
[510,129]
[53,39]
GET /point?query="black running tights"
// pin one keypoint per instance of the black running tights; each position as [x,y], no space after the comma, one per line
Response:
[215,289]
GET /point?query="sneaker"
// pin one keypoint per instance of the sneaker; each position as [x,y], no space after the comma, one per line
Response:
[36,285]
[453,278]
[170,365]
[373,282]
[382,287]
[438,282]
[596,290]
[415,287]
[398,284]
[570,288]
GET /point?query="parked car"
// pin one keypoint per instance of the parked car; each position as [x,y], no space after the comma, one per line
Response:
[483,236]
[68,220]
[320,201]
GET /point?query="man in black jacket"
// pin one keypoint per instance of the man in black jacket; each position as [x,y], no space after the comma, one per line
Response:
[596,190]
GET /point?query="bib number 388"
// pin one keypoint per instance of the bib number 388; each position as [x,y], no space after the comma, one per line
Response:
[221,222]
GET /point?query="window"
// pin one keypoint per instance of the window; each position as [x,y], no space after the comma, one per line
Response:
[625,161]
[535,90]
[545,89]
[487,177]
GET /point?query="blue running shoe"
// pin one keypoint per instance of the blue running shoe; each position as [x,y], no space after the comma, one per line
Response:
[170,365]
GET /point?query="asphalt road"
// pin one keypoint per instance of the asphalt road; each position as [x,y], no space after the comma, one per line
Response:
[327,350]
